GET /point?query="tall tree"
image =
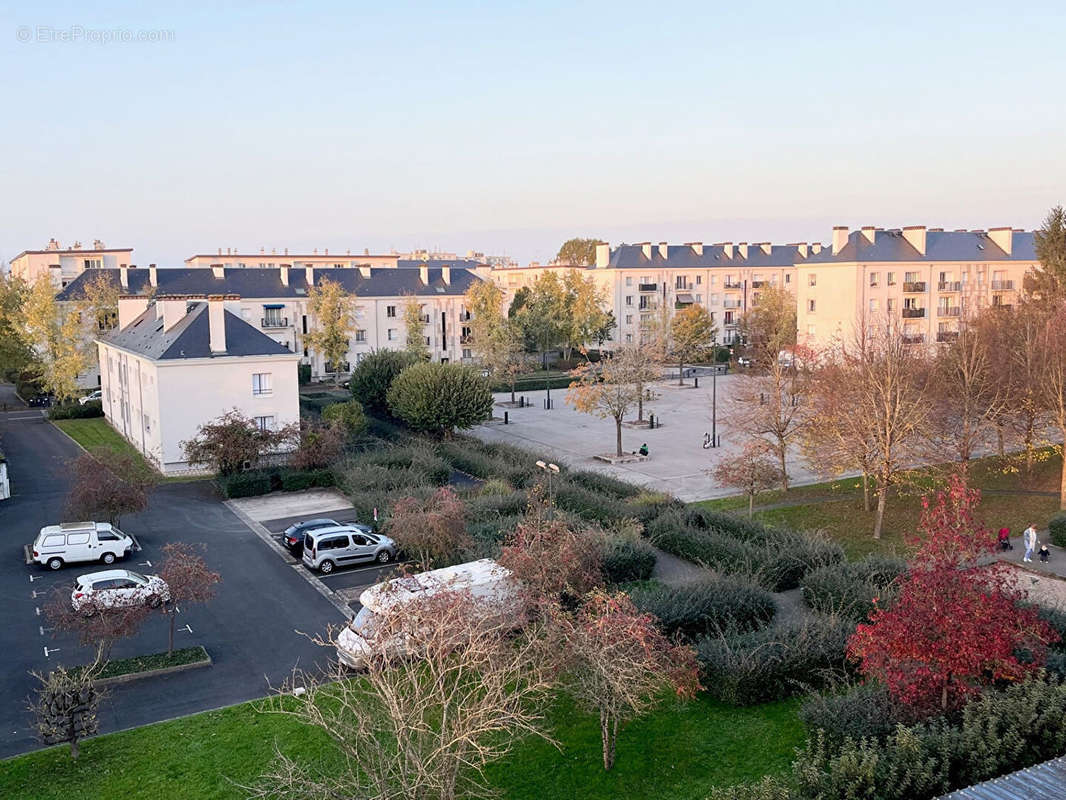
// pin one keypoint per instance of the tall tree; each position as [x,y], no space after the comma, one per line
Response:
[543,313]
[768,329]
[16,354]
[331,309]
[1052,386]
[584,319]
[414,324]
[691,332]
[496,339]
[1023,329]
[606,389]
[56,335]
[98,305]
[578,252]
[1049,282]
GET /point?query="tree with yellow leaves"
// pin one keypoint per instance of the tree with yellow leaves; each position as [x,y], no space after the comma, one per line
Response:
[56,334]
[331,310]
[691,331]
[414,321]
[607,389]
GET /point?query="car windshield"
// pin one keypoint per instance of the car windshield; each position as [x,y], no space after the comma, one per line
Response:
[365,622]
[137,577]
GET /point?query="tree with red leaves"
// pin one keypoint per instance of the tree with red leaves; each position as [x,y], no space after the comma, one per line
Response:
[957,625]
[188,578]
[430,531]
[552,560]
[620,663]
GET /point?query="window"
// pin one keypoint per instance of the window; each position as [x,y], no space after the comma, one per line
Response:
[54,541]
[629,299]
[629,280]
[810,330]
[714,280]
[812,280]
[875,279]
[890,304]
[265,423]
[107,536]
[810,305]
[629,319]
[874,305]
[890,278]
[910,277]
[360,335]
[699,279]
[467,353]
[391,335]
[390,311]
[77,538]
[788,278]
[147,423]
[261,384]
[271,316]
[699,298]
[629,338]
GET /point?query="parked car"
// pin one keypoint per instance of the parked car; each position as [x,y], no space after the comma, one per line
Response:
[41,400]
[96,394]
[325,549]
[117,588]
[293,537]
[493,587]
[68,542]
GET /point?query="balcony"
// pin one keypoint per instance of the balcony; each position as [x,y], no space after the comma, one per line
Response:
[759,284]
[424,318]
[1003,306]
[913,338]
[274,322]
[947,336]
[734,285]
[949,286]
[1002,286]
[647,287]
[913,313]
[466,339]
[731,303]
[949,311]
[913,287]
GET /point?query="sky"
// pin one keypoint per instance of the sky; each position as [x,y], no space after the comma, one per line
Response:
[508,127]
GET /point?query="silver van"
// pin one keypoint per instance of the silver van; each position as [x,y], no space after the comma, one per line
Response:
[69,542]
[325,549]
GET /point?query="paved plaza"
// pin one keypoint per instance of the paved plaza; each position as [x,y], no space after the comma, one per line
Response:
[678,456]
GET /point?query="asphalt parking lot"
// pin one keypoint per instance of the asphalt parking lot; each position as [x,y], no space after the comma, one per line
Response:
[254,628]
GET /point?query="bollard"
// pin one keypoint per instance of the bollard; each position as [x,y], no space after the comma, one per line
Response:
[697,379]
[505,418]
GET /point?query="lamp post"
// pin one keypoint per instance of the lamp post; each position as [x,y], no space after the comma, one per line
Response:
[550,469]
[547,380]
[714,392]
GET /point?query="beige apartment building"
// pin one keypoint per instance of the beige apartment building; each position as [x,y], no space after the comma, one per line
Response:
[232,259]
[64,265]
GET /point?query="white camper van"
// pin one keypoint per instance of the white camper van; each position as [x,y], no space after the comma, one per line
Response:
[485,580]
[57,545]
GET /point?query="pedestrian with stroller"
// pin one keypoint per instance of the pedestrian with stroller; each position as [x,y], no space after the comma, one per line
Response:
[1029,540]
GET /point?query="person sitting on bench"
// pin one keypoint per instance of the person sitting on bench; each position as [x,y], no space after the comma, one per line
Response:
[643,449]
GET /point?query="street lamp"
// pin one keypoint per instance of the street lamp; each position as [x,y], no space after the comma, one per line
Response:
[550,469]
[547,379]
[714,392]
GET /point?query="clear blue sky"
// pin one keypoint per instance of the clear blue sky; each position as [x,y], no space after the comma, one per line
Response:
[511,126]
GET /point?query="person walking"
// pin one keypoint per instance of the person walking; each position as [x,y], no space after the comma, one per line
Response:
[1029,540]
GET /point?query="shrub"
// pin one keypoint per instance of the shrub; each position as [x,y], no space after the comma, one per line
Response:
[603,484]
[440,398]
[374,374]
[589,505]
[866,710]
[707,606]
[495,486]
[768,788]
[646,506]
[626,559]
[243,484]
[777,662]
[849,588]
[296,480]
[1057,529]
[303,374]
[492,506]
[348,414]
[469,460]
[94,408]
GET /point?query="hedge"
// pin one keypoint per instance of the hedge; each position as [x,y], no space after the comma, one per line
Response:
[604,484]
[626,559]
[1057,529]
[257,482]
[94,408]
[866,710]
[707,606]
[850,588]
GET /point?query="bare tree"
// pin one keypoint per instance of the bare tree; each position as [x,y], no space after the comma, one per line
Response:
[95,628]
[424,720]
[189,580]
[752,470]
[107,484]
[1052,386]
[1024,328]
[430,531]
[620,664]
[66,706]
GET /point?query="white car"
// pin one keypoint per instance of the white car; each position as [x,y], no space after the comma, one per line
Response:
[97,394]
[117,588]
[57,545]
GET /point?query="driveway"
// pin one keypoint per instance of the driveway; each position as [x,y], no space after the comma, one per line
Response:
[252,630]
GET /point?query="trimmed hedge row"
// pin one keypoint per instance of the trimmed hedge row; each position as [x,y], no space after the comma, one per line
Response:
[94,408]
[626,559]
[850,588]
[866,710]
[773,663]
[257,482]
[706,607]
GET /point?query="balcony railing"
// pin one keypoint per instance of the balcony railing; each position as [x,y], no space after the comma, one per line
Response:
[949,286]
[913,313]
[1003,306]
[914,286]
[1002,286]
[947,336]
[759,284]
[648,287]
[274,322]
[949,311]
[731,304]
[733,285]
[913,338]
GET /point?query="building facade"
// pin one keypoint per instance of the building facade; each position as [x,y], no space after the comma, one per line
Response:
[64,265]
[183,362]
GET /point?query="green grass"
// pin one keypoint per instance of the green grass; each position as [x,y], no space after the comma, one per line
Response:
[677,752]
[94,432]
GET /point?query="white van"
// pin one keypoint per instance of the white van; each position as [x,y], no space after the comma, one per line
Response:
[57,545]
[485,580]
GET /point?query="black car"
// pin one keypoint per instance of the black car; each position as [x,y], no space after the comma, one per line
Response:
[293,537]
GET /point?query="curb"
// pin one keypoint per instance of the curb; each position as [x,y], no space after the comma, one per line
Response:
[151,673]
[260,531]
[53,424]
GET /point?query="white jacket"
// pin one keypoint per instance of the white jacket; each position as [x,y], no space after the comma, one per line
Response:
[1029,538]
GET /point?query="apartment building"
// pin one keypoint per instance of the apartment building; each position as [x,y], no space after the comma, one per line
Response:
[232,259]
[275,302]
[182,362]
[64,265]
[929,278]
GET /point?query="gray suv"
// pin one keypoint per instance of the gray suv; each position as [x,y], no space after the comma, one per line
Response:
[325,549]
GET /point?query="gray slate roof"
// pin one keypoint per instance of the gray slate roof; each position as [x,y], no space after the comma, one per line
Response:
[681,256]
[889,245]
[191,337]
[266,283]
[1045,781]
[437,263]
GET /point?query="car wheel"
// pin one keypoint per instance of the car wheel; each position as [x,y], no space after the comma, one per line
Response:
[108,558]
[384,557]
[55,563]
[153,601]
[326,567]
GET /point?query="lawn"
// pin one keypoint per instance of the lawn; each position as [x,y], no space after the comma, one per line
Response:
[94,432]
[677,752]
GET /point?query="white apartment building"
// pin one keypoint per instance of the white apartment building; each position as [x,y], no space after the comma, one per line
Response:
[275,302]
[182,362]
[64,265]
[232,259]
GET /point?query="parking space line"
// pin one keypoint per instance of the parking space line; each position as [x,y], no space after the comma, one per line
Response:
[260,530]
[352,571]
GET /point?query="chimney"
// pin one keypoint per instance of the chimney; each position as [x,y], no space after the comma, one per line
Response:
[97,244]
[801,249]
[174,310]
[52,244]
[840,238]
[727,248]
[1002,237]
[664,250]
[309,275]
[869,231]
[816,247]
[130,306]
[766,247]
[915,234]
[603,255]
[124,277]
[153,275]
[645,248]
[364,271]
[423,274]
[742,249]
[216,322]
[218,270]
[446,275]
[697,247]
[283,272]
